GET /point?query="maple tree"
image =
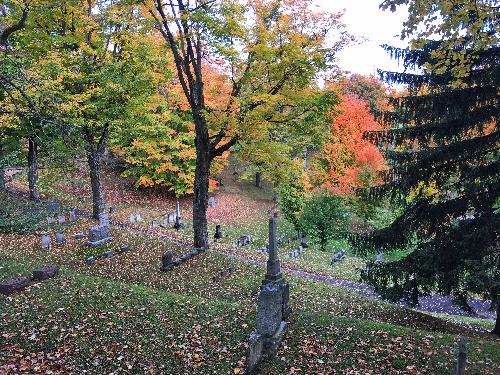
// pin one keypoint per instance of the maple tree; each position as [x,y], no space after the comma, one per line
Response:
[269,53]
[347,160]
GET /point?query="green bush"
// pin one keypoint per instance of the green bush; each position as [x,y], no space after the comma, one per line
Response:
[325,218]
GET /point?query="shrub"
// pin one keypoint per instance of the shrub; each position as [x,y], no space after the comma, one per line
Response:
[325,218]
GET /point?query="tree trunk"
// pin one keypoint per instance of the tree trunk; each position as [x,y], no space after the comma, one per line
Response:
[33,169]
[94,161]
[258,180]
[201,176]
[2,169]
[496,330]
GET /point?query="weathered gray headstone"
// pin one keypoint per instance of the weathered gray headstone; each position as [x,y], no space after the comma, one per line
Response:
[46,272]
[60,238]
[9,287]
[99,236]
[273,309]
[211,202]
[124,248]
[154,223]
[91,261]
[132,218]
[379,258]
[460,356]
[109,253]
[72,215]
[104,219]
[61,219]
[46,241]
[50,220]
[79,236]
[138,218]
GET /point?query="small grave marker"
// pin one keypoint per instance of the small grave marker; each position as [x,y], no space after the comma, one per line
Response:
[60,238]
[46,272]
[46,241]
[9,287]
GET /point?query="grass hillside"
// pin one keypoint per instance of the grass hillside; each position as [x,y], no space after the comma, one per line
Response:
[123,315]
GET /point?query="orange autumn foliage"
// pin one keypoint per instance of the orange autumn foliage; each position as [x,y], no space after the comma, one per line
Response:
[347,160]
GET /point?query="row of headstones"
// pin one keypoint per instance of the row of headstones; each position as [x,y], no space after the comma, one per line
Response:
[17,284]
[222,274]
[280,241]
[108,254]
[61,218]
[168,262]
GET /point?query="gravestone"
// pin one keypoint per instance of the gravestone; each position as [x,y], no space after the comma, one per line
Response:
[218,232]
[91,261]
[124,248]
[112,210]
[60,238]
[460,356]
[46,272]
[211,202]
[264,249]
[303,242]
[154,223]
[178,219]
[379,258]
[46,241]
[167,263]
[61,219]
[300,249]
[109,253]
[171,218]
[273,309]
[338,257]
[98,236]
[72,215]
[50,220]
[104,219]
[78,236]
[244,240]
[132,219]
[9,287]
[138,218]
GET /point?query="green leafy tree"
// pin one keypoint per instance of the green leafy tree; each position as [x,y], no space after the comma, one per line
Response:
[325,218]
[271,53]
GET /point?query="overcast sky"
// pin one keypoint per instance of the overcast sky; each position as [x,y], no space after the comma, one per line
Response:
[364,19]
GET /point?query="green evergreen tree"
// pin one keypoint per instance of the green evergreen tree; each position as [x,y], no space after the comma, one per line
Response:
[444,157]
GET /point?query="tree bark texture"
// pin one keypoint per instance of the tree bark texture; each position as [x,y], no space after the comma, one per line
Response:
[33,169]
[94,161]
[2,169]
[258,180]
[496,330]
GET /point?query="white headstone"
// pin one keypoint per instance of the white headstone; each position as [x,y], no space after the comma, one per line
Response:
[46,241]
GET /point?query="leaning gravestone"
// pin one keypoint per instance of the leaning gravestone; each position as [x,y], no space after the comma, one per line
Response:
[99,236]
[60,238]
[46,272]
[9,287]
[167,263]
[273,308]
[46,241]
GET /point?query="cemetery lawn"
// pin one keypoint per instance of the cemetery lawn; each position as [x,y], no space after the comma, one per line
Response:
[123,315]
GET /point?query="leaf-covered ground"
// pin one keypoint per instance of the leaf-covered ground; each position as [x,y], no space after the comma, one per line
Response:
[123,315]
